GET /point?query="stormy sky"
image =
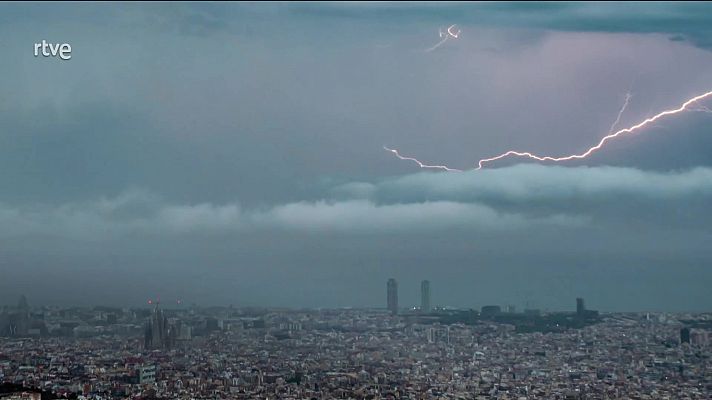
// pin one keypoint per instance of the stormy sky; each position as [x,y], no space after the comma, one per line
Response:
[233,154]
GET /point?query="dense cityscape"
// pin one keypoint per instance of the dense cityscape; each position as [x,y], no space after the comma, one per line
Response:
[188,352]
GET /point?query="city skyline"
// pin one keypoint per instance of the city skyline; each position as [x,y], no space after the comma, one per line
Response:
[157,328]
[417,298]
[102,352]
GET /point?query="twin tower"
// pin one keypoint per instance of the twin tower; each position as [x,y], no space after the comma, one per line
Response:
[392,290]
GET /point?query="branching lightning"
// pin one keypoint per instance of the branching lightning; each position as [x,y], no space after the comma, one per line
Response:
[620,113]
[451,32]
[689,105]
[420,164]
[606,138]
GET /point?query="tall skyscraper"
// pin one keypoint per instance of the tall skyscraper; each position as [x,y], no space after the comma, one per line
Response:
[425,296]
[580,307]
[392,287]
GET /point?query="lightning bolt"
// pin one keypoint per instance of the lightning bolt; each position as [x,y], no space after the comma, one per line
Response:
[450,32]
[628,96]
[686,106]
[420,164]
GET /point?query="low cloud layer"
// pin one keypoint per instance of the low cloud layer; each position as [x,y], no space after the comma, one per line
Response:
[532,182]
[512,198]
[544,234]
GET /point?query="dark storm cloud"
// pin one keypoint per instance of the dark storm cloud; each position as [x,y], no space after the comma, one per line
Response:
[232,153]
[691,20]
[62,153]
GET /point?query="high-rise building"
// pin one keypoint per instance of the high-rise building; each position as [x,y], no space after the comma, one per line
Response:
[392,287]
[580,307]
[425,296]
[685,335]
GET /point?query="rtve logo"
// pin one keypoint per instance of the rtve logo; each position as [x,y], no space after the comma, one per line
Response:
[63,51]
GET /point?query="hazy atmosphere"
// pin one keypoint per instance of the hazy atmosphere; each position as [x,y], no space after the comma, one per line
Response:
[234,154]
